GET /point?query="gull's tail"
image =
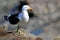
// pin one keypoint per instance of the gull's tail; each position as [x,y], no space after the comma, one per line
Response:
[6,18]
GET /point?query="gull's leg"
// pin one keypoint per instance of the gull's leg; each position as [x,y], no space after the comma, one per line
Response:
[18,27]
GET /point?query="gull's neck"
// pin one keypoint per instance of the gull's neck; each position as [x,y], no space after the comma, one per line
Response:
[25,12]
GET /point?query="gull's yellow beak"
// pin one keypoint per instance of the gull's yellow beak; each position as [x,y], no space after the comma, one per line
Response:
[30,9]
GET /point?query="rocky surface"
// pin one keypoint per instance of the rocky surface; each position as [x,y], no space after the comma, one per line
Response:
[20,35]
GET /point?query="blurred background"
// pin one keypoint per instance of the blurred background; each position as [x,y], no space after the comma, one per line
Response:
[46,25]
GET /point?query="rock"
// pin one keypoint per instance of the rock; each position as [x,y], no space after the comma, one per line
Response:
[38,38]
[57,38]
[20,35]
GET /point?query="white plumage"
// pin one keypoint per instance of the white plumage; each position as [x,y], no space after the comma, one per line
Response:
[24,14]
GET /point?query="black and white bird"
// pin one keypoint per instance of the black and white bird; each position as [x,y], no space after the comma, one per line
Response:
[21,17]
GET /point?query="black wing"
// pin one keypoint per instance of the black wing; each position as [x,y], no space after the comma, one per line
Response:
[31,13]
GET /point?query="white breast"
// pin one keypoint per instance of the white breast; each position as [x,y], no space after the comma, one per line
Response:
[25,16]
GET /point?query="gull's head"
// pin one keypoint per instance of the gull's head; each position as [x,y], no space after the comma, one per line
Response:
[26,7]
